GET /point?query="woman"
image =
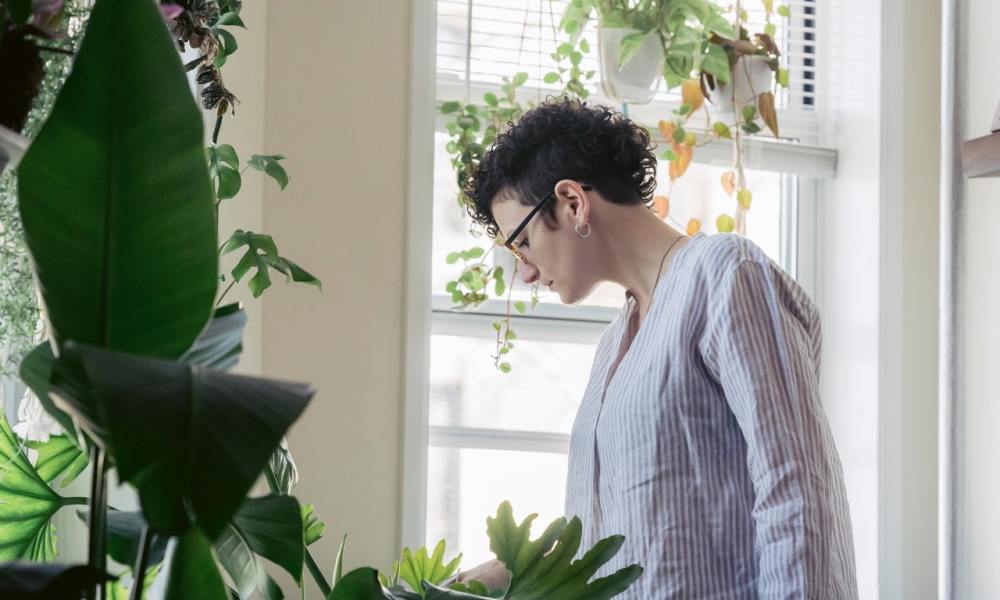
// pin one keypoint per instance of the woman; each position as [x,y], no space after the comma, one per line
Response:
[701,436]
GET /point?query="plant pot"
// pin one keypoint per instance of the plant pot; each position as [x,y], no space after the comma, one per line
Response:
[751,76]
[637,82]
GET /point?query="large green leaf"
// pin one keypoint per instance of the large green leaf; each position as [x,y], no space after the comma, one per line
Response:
[59,458]
[191,440]
[545,569]
[268,527]
[115,196]
[359,584]
[19,581]
[219,346]
[27,504]
[193,573]
[124,534]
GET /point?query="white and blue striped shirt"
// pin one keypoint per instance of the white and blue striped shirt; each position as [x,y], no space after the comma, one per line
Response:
[708,447]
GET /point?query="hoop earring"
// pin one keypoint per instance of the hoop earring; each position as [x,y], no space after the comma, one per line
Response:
[576,228]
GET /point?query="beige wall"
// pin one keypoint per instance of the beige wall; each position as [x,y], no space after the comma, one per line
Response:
[979,417]
[336,106]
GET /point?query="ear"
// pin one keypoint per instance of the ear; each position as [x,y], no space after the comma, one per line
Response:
[573,202]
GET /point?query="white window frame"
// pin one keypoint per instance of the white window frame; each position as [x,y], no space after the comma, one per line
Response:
[430,314]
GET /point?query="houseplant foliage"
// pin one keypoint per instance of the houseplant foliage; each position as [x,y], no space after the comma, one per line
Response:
[704,44]
[124,245]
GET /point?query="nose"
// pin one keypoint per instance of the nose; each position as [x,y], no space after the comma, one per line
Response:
[528,272]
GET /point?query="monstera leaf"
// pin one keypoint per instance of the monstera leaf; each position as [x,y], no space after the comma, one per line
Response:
[191,440]
[115,196]
[544,568]
[27,504]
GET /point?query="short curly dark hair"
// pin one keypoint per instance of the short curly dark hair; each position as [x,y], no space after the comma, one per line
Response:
[563,139]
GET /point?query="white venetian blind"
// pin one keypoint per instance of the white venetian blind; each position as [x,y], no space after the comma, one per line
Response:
[481,41]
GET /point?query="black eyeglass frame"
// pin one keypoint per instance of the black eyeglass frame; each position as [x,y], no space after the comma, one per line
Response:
[509,242]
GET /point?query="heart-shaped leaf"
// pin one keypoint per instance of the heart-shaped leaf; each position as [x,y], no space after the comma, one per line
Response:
[59,458]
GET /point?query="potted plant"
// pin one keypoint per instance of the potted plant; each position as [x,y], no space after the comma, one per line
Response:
[740,104]
[643,39]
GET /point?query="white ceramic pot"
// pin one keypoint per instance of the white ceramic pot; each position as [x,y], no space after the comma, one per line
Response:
[750,77]
[637,82]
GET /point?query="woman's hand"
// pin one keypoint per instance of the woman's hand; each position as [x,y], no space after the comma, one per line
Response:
[493,574]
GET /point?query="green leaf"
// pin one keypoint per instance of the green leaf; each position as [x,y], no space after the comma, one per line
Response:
[749,113]
[146,409]
[115,196]
[416,568]
[571,25]
[783,77]
[715,62]
[36,371]
[584,46]
[269,163]
[219,346]
[269,527]
[784,11]
[453,258]
[770,29]
[551,78]
[59,457]
[450,107]
[294,272]
[282,469]
[520,79]
[193,573]
[519,307]
[505,367]
[227,40]
[338,568]
[473,253]
[261,252]
[25,581]
[227,154]
[117,591]
[722,130]
[313,528]
[359,584]
[490,98]
[630,45]
[230,183]
[544,568]
[231,18]
[27,504]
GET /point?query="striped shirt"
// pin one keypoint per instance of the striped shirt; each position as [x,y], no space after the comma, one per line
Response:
[708,447]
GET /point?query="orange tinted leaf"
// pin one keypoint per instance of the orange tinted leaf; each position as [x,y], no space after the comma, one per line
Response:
[725,224]
[667,129]
[729,182]
[661,204]
[765,106]
[694,226]
[679,165]
[691,94]
[744,197]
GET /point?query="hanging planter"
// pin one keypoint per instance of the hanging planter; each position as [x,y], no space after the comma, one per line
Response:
[635,78]
[750,77]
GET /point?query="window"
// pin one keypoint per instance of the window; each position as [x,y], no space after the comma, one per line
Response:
[495,437]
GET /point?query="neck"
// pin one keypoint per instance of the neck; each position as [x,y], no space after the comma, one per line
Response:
[635,245]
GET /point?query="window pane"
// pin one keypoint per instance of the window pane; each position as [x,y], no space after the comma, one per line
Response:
[542,394]
[466,486]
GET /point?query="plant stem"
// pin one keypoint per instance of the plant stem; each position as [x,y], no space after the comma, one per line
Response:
[141,562]
[226,291]
[215,132]
[317,573]
[194,63]
[75,501]
[314,569]
[97,558]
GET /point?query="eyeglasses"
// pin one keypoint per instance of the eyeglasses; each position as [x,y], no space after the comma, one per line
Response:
[509,242]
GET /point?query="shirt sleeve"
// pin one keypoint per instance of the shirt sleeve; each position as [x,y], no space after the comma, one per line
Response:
[761,343]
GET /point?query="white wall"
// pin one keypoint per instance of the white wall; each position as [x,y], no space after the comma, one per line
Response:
[878,283]
[336,105]
[979,331]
